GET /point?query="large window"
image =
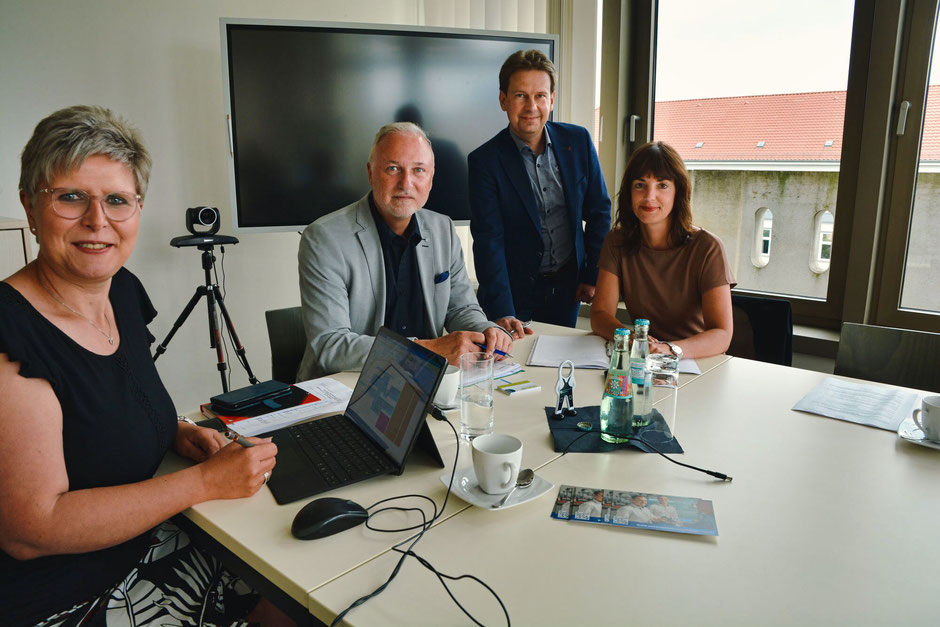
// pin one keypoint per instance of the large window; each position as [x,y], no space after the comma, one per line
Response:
[824,121]
[758,118]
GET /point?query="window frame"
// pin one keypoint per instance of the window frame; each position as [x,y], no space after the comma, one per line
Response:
[817,263]
[920,22]
[760,259]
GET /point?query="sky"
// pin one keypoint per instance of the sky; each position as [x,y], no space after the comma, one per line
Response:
[717,48]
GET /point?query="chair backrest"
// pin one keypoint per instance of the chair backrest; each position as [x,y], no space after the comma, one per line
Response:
[763,329]
[889,355]
[288,341]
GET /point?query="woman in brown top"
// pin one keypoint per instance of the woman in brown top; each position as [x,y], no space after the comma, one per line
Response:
[664,269]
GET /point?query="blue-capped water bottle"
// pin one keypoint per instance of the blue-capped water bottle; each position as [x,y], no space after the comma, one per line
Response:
[640,377]
[617,404]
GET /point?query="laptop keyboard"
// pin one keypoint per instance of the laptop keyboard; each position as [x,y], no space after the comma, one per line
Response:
[339,451]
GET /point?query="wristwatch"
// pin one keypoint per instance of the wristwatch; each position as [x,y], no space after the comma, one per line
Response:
[185,419]
[676,349]
[496,326]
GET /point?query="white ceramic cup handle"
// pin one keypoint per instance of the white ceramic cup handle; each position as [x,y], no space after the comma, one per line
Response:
[508,466]
[917,421]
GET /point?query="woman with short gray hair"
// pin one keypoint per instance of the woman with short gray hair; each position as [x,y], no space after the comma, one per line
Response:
[84,418]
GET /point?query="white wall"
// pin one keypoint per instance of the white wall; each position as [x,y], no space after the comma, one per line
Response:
[157,62]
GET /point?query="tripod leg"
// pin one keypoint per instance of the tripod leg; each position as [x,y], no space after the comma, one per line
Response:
[188,309]
[239,349]
[215,336]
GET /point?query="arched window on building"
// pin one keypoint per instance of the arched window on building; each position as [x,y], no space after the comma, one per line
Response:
[763,229]
[821,252]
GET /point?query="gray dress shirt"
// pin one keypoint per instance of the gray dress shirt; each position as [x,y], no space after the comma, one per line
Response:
[557,238]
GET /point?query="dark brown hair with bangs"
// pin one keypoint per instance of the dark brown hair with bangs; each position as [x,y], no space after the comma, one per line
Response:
[521,60]
[663,162]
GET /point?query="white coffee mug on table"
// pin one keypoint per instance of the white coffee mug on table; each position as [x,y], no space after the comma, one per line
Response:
[447,391]
[496,460]
[927,417]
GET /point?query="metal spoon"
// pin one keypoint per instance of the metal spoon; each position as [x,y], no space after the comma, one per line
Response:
[523,481]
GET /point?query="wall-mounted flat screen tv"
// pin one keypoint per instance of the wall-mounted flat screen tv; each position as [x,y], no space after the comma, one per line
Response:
[304,101]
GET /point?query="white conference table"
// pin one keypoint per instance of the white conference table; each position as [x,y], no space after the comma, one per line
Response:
[826,522]
[257,529]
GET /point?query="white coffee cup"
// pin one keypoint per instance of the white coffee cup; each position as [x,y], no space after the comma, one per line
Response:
[927,417]
[447,390]
[496,460]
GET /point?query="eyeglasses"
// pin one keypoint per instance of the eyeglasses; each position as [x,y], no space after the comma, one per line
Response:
[74,203]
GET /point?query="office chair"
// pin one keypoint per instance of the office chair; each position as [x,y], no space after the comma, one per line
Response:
[288,341]
[763,329]
[889,355]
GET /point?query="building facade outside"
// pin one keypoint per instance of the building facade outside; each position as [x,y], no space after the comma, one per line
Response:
[765,173]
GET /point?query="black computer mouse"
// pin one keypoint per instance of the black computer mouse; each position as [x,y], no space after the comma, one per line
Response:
[326,516]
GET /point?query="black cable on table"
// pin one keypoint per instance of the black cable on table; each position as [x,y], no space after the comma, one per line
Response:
[414,539]
[637,438]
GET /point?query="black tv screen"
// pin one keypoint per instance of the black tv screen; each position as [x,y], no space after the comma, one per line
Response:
[305,101]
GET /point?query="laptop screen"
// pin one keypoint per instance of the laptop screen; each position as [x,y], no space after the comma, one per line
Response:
[391,397]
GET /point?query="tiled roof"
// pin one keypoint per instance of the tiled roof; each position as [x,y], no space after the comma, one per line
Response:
[930,144]
[792,127]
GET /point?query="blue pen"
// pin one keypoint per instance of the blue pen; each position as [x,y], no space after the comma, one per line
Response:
[495,350]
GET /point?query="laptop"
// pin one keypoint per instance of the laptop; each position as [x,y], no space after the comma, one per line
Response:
[374,436]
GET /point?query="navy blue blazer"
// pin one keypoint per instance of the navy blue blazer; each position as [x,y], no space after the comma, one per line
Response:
[504,217]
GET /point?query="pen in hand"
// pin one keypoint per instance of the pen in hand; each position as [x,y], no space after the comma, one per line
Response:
[495,350]
[234,437]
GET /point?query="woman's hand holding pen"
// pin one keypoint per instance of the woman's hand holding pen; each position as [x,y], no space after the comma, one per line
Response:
[236,470]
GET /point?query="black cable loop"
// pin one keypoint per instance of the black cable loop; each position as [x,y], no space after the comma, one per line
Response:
[414,539]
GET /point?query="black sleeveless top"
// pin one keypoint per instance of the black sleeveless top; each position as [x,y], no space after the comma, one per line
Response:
[118,422]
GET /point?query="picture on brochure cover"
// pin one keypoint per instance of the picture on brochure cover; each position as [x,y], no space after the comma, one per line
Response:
[660,512]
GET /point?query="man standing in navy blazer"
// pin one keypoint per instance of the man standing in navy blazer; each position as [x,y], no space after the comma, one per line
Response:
[539,205]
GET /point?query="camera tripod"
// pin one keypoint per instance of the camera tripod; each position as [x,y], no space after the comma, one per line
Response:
[210,290]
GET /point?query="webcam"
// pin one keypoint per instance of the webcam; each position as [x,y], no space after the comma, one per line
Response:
[202,220]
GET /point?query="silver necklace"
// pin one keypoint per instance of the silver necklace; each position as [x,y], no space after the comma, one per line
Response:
[59,300]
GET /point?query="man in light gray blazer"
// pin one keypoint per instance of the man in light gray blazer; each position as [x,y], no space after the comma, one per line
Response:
[383,261]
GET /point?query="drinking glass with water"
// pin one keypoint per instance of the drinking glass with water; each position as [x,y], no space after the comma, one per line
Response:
[476,394]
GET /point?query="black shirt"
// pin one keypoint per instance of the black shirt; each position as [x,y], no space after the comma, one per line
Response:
[117,424]
[404,296]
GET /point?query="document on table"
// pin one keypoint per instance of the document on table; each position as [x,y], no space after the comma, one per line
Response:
[586,351]
[871,405]
[689,366]
[333,395]
[501,369]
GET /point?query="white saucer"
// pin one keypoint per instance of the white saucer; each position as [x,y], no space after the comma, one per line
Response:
[467,487]
[908,430]
[443,407]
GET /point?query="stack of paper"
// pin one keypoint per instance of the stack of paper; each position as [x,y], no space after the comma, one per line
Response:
[501,369]
[505,368]
[865,404]
[586,351]
[509,387]
[333,397]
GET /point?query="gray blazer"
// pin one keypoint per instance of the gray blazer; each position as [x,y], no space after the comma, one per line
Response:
[342,286]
